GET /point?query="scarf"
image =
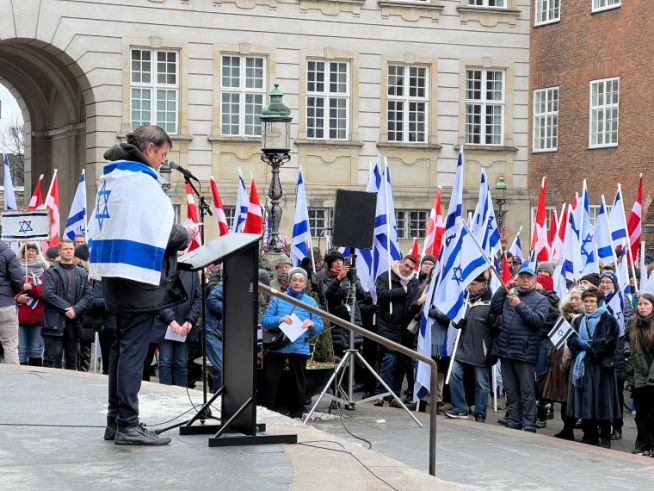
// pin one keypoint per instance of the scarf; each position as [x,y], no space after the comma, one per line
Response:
[34,270]
[298,295]
[587,331]
[403,279]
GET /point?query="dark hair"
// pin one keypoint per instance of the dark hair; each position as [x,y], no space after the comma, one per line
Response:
[411,258]
[143,135]
[637,336]
[593,292]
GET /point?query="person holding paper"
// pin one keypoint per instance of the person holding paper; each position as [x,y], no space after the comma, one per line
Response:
[280,312]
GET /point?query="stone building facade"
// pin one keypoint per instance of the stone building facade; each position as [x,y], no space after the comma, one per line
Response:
[410,79]
[591,102]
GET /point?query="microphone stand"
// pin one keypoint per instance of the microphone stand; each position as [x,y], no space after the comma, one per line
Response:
[205,411]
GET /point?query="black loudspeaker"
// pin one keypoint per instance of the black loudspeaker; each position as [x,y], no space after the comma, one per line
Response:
[354,219]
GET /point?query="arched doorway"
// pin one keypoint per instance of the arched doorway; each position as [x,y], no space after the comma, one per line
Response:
[53,94]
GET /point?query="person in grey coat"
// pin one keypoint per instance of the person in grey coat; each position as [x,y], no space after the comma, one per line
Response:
[12,280]
[524,312]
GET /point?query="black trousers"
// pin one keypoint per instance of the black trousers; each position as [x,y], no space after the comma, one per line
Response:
[56,347]
[518,379]
[618,423]
[591,433]
[644,402]
[126,367]
[107,339]
[273,365]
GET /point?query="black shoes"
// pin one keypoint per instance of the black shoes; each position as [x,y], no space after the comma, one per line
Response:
[139,435]
[480,419]
[616,435]
[541,423]
[110,432]
[565,435]
[454,414]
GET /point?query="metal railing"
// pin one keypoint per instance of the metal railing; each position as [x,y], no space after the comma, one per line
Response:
[389,344]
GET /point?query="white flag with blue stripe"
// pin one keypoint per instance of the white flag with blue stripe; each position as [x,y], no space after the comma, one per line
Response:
[516,246]
[76,223]
[301,239]
[569,266]
[128,230]
[587,242]
[242,205]
[484,224]
[603,240]
[618,220]
[10,197]
[454,210]
[365,261]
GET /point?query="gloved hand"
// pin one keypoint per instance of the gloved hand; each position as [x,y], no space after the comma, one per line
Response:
[583,344]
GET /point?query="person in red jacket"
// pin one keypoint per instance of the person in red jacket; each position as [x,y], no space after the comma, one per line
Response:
[30,305]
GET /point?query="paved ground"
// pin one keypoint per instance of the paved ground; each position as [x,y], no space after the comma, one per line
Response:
[67,451]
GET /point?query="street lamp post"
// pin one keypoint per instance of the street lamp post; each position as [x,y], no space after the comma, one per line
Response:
[500,199]
[276,138]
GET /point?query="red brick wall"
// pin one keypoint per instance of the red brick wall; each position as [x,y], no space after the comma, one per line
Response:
[584,47]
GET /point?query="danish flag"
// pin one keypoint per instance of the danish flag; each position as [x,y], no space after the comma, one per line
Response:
[36,202]
[416,253]
[435,228]
[192,222]
[254,219]
[223,228]
[52,205]
[635,221]
[539,242]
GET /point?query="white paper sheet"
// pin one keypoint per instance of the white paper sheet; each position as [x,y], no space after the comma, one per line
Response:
[294,330]
[171,336]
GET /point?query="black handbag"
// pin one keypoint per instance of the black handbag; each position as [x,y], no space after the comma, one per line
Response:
[274,339]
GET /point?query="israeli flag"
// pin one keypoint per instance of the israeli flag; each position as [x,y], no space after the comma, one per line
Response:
[483,224]
[618,220]
[128,230]
[603,240]
[301,239]
[560,332]
[10,197]
[587,243]
[365,261]
[76,223]
[454,210]
[242,205]
[516,247]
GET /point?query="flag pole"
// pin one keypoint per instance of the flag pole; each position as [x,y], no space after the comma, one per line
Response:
[456,341]
[515,240]
[494,384]
[388,231]
[629,255]
[643,268]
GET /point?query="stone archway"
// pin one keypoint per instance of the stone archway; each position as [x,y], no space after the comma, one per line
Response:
[53,94]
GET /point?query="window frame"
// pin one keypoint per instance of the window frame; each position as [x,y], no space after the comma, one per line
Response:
[327,96]
[484,103]
[545,115]
[604,109]
[242,91]
[155,86]
[328,221]
[403,220]
[594,8]
[406,100]
[540,7]
[484,4]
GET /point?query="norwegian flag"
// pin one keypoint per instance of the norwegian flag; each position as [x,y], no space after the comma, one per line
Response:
[416,253]
[52,205]
[435,228]
[36,202]
[223,228]
[559,240]
[192,221]
[635,221]
[539,242]
[506,270]
[254,219]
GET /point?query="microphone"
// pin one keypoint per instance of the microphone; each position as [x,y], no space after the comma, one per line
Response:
[187,174]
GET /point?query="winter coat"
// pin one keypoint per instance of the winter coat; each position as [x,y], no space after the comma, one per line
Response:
[98,308]
[54,318]
[392,325]
[188,310]
[521,328]
[124,296]
[596,395]
[214,311]
[12,276]
[639,365]
[278,309]
[28,316]
[477,330]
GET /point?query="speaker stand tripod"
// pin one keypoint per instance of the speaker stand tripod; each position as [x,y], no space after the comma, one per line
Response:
[346,396]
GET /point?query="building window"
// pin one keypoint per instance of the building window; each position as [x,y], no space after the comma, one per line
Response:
[229,215]
[604,100]
[549,218]
[546,119]
[411,224]
[320,222]
[243,92]
[328,99]
[593,212]
[487,3]
[408,103]
[547,11]
[484,106]
[154,88]
[599,5]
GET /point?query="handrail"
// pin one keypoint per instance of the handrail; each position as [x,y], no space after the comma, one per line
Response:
[389,344]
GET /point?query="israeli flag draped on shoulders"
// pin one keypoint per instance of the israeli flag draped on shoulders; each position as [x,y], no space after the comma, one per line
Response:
[130,225]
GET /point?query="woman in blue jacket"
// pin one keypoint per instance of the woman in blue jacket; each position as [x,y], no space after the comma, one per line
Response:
[296,352]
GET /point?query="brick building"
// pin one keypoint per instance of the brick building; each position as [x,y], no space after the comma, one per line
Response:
[592,105]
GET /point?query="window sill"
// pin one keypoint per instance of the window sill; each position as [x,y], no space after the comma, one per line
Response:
[410,146]
[604,9]
[328,143]
[471,147]
[547,23]
[410,10]
[240,140]
[548,150]
[332,7]
[603,147]
[489,17]
[180,138]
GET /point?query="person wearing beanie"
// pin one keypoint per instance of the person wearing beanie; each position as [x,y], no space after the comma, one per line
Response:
[282,266]
[82,252]
[545,268]
[51,254]
[427,264]
[590,280]
[294,352]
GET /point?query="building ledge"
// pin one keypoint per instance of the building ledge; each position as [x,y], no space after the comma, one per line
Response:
[238,140]
[332,7]
[328,143]
[488,17]
[411,10]
[469,147]
[248,4]
[409,146]
[180,138]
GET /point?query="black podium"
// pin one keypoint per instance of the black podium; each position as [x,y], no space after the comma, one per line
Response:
[239,255]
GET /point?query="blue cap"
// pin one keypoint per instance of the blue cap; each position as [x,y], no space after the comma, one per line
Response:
[527,270]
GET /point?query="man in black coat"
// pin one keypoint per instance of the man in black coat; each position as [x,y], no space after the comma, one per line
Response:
[67,294]
[393,316]
[12,280]
[524,312]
